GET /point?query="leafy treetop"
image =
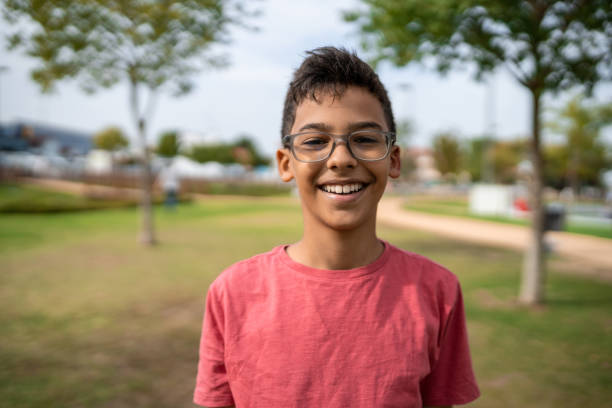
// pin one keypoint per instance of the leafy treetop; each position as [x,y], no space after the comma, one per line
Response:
[110,139]
[101,42]
[547,45]
[169,144]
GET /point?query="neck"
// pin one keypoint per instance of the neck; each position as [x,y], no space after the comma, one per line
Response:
[322,247]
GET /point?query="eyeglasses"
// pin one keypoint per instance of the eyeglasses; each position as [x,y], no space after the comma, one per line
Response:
[366,145]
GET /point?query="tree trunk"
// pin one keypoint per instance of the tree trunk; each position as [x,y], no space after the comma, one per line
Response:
[147,232]
[147,235]
[534,274]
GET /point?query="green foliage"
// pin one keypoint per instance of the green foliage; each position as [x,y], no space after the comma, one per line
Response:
[547,45]
[447,153]
[16,199]
[153,46]
[252,156]
[110,139]
[219,152]
[583,156]
[242,151]
[555,165]
[102,42]
[505,157]
[494,161]
[477,159]
[169,144]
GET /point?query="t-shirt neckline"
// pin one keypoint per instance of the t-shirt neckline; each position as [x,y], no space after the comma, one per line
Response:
[335,274]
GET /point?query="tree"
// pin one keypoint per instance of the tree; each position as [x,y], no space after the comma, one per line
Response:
[494,161]
[110,139]
[153,46]
[242,151]
[478,159]
[555,165]
[255,158]
[505,157]
[218,152]
[447,153]
[547,46]
[169,144]
[585,154]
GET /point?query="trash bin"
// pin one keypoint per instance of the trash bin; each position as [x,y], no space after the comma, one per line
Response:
[554,217]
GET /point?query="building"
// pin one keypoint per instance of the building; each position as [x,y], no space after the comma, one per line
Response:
[36,138]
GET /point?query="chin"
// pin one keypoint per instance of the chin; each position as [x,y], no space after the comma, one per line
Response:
[346,222]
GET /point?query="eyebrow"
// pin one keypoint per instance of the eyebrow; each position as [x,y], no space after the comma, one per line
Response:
[323,127]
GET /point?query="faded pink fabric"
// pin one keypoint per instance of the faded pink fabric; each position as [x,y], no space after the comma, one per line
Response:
[277,333]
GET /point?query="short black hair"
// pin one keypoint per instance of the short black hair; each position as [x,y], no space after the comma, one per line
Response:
[332,70]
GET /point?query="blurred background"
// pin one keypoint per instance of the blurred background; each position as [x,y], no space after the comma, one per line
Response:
[137,144]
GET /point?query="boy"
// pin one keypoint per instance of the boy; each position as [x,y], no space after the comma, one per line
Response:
[340,318]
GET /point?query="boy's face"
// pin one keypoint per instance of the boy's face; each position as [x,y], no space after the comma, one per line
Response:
[356,109]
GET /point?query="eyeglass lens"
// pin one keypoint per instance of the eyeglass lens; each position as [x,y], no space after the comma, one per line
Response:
[365,145]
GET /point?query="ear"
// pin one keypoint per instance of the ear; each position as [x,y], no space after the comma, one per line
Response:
[283,163]
[396,163]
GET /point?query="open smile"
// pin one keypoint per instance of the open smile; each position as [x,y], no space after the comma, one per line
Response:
[343,189]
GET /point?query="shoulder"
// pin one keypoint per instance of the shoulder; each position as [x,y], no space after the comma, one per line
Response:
[430,277]
[415,264]
[245,273]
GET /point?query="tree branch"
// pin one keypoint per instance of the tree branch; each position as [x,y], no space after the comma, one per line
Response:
[516,71]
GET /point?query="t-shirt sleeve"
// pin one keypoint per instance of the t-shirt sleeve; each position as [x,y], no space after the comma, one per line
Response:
[212,386]
[451,380]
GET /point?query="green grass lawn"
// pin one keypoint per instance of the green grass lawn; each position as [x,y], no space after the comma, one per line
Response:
[458,207]
[90,318]
[19,198]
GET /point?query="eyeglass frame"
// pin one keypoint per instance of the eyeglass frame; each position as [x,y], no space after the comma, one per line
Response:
[287,141]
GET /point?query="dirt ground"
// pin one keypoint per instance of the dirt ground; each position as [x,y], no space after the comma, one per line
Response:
[591,255]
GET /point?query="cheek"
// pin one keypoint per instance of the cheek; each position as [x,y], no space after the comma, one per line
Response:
[381,172]
[306,174]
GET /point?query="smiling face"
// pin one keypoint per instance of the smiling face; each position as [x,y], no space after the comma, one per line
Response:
[341,192]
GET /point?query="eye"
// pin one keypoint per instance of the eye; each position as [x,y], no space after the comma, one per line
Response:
[312,141]
[367,138]
[364,139]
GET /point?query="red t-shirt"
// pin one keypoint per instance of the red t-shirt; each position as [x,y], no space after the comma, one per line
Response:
[277,333]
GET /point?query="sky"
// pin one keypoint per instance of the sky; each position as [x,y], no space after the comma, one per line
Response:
[247,96]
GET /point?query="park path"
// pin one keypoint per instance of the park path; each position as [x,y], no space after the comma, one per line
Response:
[592,254]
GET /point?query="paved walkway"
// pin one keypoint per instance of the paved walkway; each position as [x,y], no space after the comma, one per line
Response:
[594,253]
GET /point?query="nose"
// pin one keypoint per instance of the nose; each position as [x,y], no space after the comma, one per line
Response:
[341,157]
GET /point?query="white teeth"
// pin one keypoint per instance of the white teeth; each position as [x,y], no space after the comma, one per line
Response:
[342,189]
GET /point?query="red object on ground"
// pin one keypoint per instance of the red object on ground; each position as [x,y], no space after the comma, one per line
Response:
[521,204]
